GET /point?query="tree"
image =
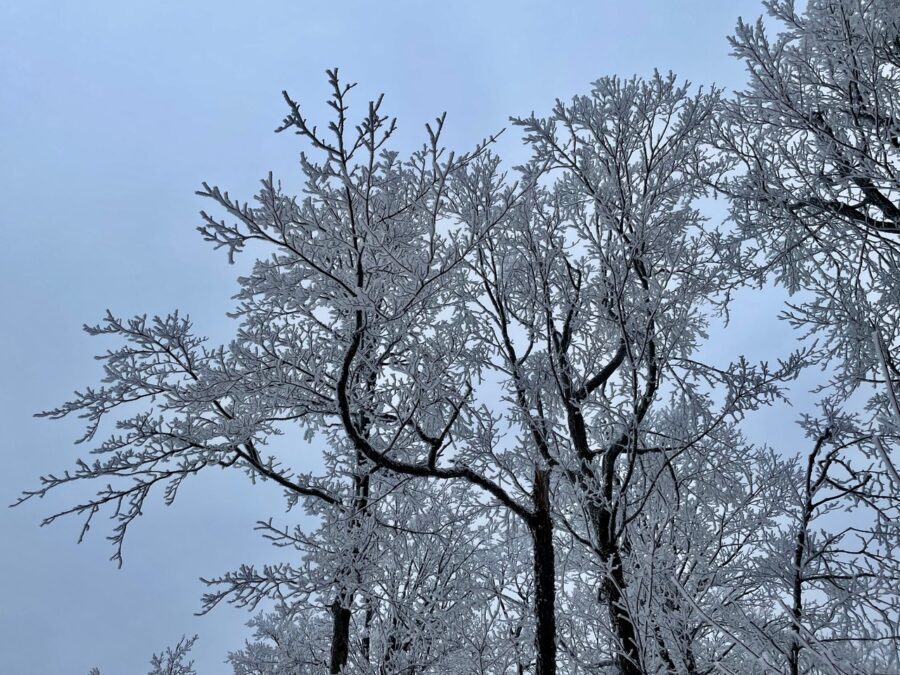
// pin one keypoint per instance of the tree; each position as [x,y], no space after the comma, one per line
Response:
[844,607]
[218,407]
[173,661]
[429,568]
[341,333]
[817,139]
[616,285]
[528,466]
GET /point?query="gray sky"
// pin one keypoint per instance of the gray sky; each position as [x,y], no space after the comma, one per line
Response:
[111,114]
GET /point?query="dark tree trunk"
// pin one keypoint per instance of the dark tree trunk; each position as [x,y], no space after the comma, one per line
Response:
[341,612]
[544,577]
[797,583]
[663,651]
[683,639]
[797,609]
[340,636]
[367,636]
[628,658]
[802,541]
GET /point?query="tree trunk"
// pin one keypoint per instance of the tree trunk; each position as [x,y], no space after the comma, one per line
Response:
[797,608]
[340,608]
[797,590]
[628,657]
[544,577]
[367,635]
[340,635]
[800,552]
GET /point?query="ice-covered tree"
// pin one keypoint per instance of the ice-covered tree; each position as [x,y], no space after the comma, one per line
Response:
[816,199]
[815,195]
[527,468]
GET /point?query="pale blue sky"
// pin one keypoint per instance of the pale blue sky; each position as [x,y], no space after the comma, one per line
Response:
[111,114]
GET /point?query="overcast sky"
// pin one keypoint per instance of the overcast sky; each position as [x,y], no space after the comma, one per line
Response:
[111,114]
